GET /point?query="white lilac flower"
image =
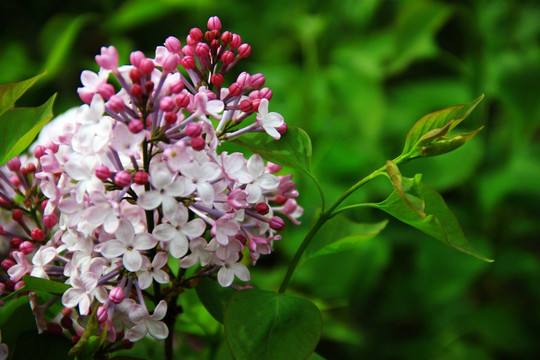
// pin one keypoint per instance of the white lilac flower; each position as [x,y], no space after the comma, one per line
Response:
[148,324]
[152,271]
[269,121]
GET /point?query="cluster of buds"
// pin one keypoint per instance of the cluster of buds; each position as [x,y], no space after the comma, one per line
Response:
[132,182]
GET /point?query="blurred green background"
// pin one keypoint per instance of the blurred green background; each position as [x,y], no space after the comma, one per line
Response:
[356,75]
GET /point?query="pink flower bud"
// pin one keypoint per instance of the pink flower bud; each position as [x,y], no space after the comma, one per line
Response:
[243,79]
[102,314]
[273,168]
[235,89]
[105,90]
[173,44]
[50,220]
[265,93]
[170,62]
[198,143]
[182,100]
[135,126]
[217,79]
[241,238]
[214,23]
[66,311]
[196,34]
[136,57]
[39,151]
[256,103]
[257,81]
[52,146]
[211,35]
[108,58]
[202,49]
[147,66]
[176,86]
[262,208]
[26,247]
[17,215]
[276,223]
[244,50]
[15,243]
[116,103]
[37,234]
[193,129]
[15,180]
[280,199]
[102,172]
[14,164]
[188,50]
[141,177]
[116,295]
[246,106]
[135,75]
[188,62]
[166,103]
[235,42]
[18,285]
[282,129]
[254,95]
[7,263]
[226,37]
[149,86]
[136,91]
[86,97]
[170,117]
[227,57]
[122,178]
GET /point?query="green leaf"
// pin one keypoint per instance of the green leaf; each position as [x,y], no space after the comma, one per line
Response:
[445,145]
[435,126]
[292,150]
[335,236]
[21,126]
[31,345]
[38,284]
[266,325]
[9,93]
[438,220]
[214,297]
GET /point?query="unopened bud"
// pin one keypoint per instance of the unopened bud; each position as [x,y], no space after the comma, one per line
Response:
[262,208]
[276,223]
[102,172]
[116,295]
[141,177]
[198,143]
[122,178]
[193,129]
[26,247]
[37,234]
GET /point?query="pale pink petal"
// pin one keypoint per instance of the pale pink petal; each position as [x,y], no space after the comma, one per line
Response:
[160,260]
[225,277]
[255,164]
[149,200]
[132,260]
[144,242]
[161,276]
[137,332]
[157,329]
[179,245]
[194,228]
[160,311]
[170,206]
[240,270]
[164,232]
[145,280]
[71,297]
[112,248]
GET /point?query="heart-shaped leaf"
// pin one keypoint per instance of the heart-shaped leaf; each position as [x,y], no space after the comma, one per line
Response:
[214,297]
[265,325]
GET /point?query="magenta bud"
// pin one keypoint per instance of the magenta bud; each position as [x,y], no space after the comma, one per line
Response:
[254,95]
[122,178]
[217,79]
[170,62]
[202,49]
[196,34]
[37,234]
[103,172]
[280,199]
[188,62]
[226,37]
[166,103]
[176,86]
[26,247]
[170,117]
[136,91]
[116,295]
[102,314]
[282,129]
[246,106]
[105,90]
[227,57]
[17,215]
[193,129]
[241,238]
[243,80]
[173,44]
[265,93]
[14,164]
[136,57]
[182,100]
[15,243]
[244,50]
[7,263]
[276,223]
[147,66]
[15,180]
[262,208]
[50,220]
[235,41]
[257,81]
[214,23]
[135,75]
[135,126]
[18,285]
[141,177]
[39,151]
[116,103]
[54,329]
[273,168]
[198,143]
[108,58]
[235,89]
[188,50]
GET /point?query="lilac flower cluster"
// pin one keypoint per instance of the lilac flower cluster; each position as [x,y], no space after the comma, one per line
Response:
[134,181]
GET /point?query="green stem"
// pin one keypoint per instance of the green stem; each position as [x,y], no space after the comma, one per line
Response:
[323,216]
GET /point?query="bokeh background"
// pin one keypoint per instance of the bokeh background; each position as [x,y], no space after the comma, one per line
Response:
[356,75]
